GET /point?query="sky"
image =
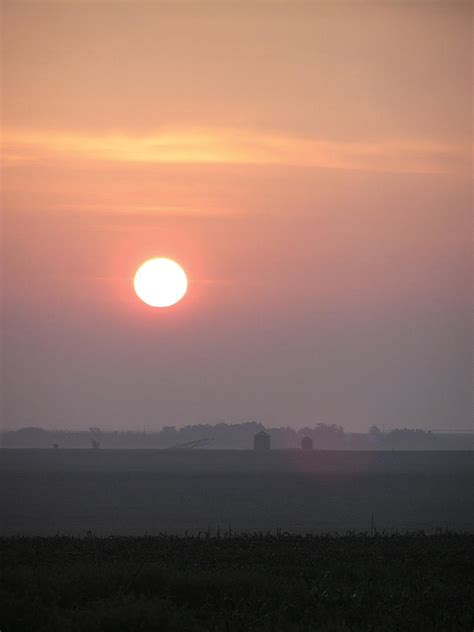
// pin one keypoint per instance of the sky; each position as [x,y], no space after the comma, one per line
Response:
[309,164]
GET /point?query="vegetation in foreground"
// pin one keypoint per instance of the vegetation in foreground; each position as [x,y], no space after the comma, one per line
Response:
[233,583]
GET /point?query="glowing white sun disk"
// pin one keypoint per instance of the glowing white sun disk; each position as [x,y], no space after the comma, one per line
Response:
[160,282]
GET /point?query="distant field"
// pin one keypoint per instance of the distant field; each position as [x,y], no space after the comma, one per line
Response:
[409,583]
[134,492]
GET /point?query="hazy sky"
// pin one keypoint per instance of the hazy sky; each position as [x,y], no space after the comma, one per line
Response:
[308,163]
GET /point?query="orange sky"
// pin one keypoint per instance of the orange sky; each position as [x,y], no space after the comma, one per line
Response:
[308,163]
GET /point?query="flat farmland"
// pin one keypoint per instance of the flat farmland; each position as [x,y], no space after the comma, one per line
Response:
[136,492]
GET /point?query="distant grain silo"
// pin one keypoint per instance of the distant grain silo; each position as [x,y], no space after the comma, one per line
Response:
[306,443]
[261,441]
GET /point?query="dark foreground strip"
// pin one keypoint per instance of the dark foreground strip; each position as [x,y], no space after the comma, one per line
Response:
[236,582]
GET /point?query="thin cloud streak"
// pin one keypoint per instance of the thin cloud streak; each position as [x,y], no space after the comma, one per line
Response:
[234,147]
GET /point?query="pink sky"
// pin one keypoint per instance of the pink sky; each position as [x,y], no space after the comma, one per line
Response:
[308,164]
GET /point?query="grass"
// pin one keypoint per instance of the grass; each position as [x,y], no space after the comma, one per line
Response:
[237,582]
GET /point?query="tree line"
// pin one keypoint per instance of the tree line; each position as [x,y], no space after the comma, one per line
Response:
[235,436]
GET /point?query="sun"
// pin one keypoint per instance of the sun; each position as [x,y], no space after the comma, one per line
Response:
[160,282]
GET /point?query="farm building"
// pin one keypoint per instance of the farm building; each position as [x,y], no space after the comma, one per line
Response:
[306,443]
[261,441]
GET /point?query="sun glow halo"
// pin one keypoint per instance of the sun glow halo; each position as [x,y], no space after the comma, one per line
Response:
[160,282]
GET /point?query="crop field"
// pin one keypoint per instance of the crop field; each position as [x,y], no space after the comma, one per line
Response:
[138,492]
[238,583]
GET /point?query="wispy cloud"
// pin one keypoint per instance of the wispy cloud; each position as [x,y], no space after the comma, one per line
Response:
[227,147]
